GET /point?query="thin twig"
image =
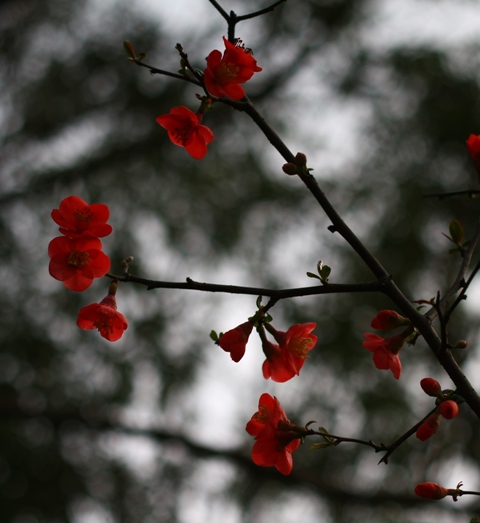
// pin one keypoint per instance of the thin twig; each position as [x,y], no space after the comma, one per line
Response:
[394,446]
[261,12]
[155,70]
[460,278]
[462,296]
[277,294]
[388,449]
[232,19]
[469,192]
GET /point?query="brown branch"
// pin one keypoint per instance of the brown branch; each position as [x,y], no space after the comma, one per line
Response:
[462,296]
[388,449]
[232,19]
[459,282]
[421,322]
[177,76]
[469,192]
[276,294]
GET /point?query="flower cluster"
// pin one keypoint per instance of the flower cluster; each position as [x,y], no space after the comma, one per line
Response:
[446,408]
[276,437]
[77,258]
[386,350]
[285,360]
[221,77]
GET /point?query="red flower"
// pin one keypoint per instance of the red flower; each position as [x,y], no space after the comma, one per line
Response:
[428,428]
[77,218]
[235,341]
[431,387]
[276,366]
[223,74]
[385,351]
[104,317]
[276,437]
[388,320]
[185,129]
[473,147]
[77,262]
[449,409]
[284,361]
[431,490]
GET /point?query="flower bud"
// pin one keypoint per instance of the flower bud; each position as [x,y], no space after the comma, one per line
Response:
[388,320]
[473,147]
[431,490]
[428,428]
[290,168]
[301,160]
[431,387]
[449,409]
[235,340]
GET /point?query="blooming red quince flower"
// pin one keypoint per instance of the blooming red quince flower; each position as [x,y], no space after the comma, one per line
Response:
[224,73]
[104,317]
[185,129]
[431,490]
[77,261]
[77,218]
[276,437]
[285,360]
[235,340]
[385,351]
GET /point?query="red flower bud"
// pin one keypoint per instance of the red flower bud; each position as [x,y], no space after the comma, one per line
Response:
[388,320]
[290,168]
[431,490]
[449,409]
[428,428]
[431,387]
[235,341]
[473,146]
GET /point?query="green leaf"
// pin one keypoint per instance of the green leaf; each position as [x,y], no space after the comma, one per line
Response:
[311,275]
[128,47]
[214,335]
[456,232]
[316,446]
[325,273]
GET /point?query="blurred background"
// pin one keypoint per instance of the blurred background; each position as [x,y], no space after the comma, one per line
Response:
[381,96]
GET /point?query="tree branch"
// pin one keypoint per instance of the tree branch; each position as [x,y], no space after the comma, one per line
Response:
[277,294]
[232,19]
